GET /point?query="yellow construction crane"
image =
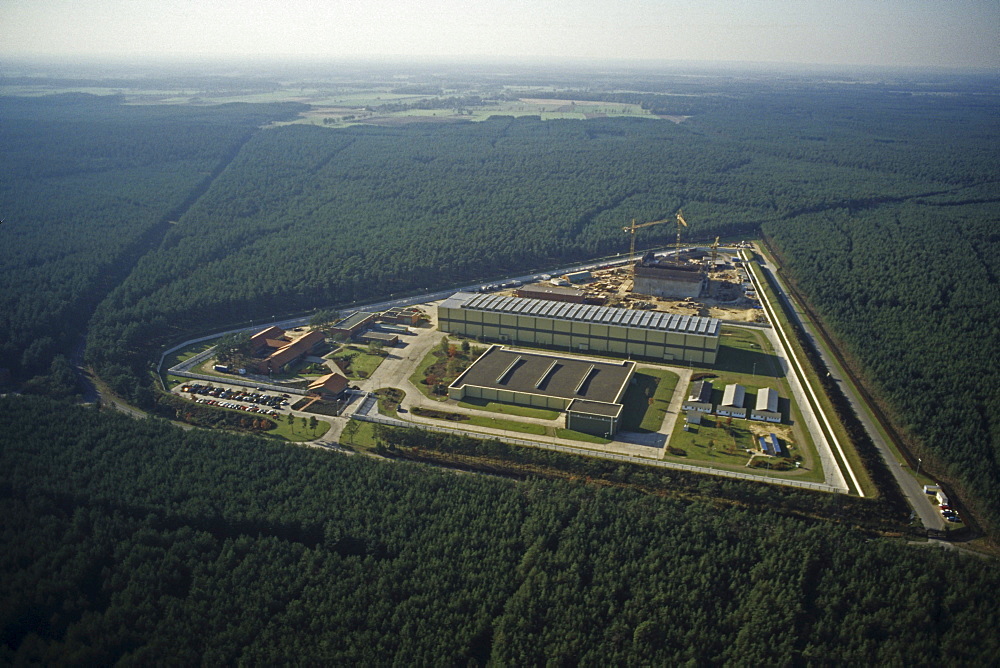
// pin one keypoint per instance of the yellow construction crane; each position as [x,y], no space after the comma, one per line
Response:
[680,221]
[631,230]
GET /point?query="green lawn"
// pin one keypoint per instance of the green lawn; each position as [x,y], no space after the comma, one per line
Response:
[639,414]
[714,444]
[358,433]
[505,425]
[748,352]
[296,433]
[363,363]
[580,436]
[509,409]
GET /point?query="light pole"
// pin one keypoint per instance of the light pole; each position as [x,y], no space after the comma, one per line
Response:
[754,369]
[919,462]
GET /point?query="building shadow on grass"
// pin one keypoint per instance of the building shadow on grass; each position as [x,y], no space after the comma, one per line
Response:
[649,439]
[740,360]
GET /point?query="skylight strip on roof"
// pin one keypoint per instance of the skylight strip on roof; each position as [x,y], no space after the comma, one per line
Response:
[561,310]
[551,308]
[488,302]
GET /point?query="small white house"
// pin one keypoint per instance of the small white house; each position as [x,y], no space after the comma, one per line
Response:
[732,401]
[699,397]
[767,406]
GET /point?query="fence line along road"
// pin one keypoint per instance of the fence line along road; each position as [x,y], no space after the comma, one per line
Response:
[362,413]
[800,369]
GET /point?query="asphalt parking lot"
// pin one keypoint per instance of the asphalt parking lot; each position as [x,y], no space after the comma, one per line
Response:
[236,398]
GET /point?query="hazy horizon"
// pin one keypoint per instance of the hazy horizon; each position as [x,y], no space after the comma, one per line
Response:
[963,34]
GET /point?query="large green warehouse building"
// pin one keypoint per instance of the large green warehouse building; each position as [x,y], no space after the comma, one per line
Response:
[663,337]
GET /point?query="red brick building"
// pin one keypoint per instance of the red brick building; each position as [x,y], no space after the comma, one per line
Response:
[275,350]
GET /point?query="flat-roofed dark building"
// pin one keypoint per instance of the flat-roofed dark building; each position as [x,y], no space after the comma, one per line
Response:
[589,390]
[353,324]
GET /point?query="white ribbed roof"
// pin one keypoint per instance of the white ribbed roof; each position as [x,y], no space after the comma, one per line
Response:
[598,315]
[767,400]
[733,396]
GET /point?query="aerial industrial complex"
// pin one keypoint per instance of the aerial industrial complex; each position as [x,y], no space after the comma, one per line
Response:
[618,355]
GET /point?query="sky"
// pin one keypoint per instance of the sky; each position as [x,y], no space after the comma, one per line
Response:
[936,33]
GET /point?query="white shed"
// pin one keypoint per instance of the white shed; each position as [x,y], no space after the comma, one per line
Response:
[732,401]
[767,406]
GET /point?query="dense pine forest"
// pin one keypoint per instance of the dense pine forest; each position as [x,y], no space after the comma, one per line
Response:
[132,541]
[141,225]
[88,186]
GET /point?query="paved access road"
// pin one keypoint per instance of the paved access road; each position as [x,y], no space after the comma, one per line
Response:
[911,487]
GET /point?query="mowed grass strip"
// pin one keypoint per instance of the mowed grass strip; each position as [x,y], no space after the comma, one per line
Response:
[572,435]
[505,425]
[470,420]
[509,409]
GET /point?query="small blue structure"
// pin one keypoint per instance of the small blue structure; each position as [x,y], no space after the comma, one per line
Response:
[764,445]
[776,446]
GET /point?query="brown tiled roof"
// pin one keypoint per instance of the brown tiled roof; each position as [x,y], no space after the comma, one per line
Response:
[262,338]
[333,383]
[290,351]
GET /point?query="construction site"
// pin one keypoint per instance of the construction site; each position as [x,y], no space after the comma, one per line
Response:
[708,281]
